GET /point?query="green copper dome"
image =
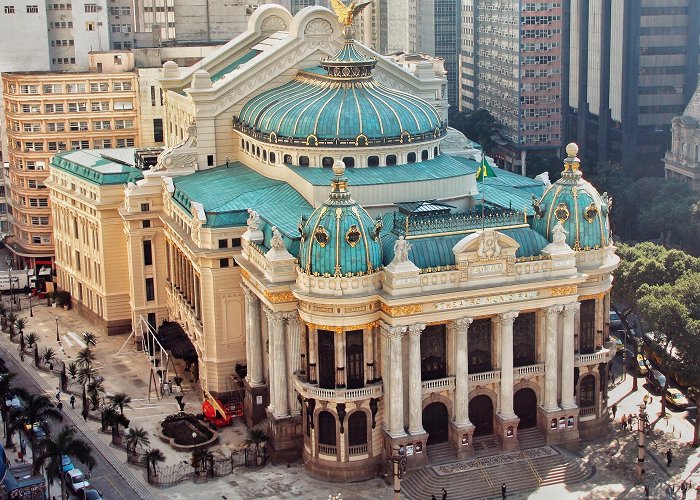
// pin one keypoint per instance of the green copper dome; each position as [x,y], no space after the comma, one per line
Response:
[577,205]
[340,238]
[339,105]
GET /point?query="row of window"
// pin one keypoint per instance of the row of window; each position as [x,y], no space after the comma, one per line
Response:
[116,11]
[73,107]
[30,146]
[70,88]
[63,60]
[62,43]
[75,126]
[31,9]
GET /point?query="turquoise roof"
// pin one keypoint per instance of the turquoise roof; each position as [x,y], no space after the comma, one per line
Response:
[578,206]
[340,238]
[228,192]
[99,166]
[234,65]
[440,167]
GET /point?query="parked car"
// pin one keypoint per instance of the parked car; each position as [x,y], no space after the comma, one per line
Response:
[619,345]
[75,480]
[657,379]
[643,364]
[66,464]
[675,398]
[615,321]
[37,430]
[14,403]
[89,493]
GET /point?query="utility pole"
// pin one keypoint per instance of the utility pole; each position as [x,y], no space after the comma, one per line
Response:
[641,423]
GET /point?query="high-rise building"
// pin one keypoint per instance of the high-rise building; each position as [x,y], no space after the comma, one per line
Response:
[633,67]
[48,112]
[511,65]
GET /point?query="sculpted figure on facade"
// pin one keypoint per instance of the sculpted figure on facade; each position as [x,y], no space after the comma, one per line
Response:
[277,243]
[401,249]
[559,234]
[253,221]
[488,245]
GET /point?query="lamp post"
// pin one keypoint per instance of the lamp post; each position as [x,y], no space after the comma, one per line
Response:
[9,279]
[31,312]
[641,422]
[58,339]
[397,463]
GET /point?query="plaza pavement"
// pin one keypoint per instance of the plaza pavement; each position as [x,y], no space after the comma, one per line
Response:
[613,455]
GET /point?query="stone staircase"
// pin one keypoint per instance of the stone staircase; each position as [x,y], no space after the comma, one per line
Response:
[485,482]
[441,453]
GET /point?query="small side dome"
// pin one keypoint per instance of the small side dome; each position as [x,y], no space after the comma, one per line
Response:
[575,203]
[340,238]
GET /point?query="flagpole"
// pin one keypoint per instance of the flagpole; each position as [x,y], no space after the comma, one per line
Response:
[483,203]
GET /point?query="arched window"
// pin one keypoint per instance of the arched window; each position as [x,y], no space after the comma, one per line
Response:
[247,146]
[357,430]
[288,159]
[273,158]
[242,142]
[326,433]
[303,161]
[349,161]
[264,155]
[411,158]
[391,160]
[373,161]
[258,152]
[424,155]
[327,161]
[435,151]
[587,392]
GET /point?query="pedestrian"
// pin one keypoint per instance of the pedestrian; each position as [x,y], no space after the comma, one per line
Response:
[646,491]
[623,421]
[503,490]
[669,457]
[444,494]
[697,492]
[684,489]
[58,394]
[630,420]
[72,401]
[614,409]
[60,406]
[22,449]
[669,492]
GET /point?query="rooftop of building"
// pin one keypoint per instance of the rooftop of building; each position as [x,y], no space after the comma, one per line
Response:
[99,166]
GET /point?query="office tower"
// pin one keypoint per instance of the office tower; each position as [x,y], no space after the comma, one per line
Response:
[633,67]
[511,65]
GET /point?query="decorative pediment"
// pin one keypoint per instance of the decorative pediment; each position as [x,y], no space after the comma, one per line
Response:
[485,254]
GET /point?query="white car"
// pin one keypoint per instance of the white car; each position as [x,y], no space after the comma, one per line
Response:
[75,480]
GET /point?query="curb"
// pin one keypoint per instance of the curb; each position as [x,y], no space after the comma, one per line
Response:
[77,421]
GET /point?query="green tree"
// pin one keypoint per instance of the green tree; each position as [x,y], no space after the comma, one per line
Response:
[150,459]
[85,358]
[48,356]
[90,339]
[51,452]
[31,339]
[479,125]
[37,410]
[120,400]
[137,437]
[11,318]
[21,324]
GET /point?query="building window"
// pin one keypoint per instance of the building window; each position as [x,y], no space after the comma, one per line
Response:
[99,87]
[90,7]
[32,9]
[373,161]
[146,224]
[357,429]
[524,340]
[433,352]
[147,253]
[145,207]
[158,130]
[587,392]
[150,290]
[480,346]
[355,366]
[9,9]
[89,26]
[587,327]
[349,161]
[326,431]
[411,158]
[223,243]
[235,242]
[326,359]
[210,160]
[223,262]
[391,160]
[303,161]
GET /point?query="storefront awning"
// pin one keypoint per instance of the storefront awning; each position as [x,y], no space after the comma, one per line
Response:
[174,339]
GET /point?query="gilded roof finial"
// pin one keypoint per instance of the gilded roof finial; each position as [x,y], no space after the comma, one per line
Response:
[346,14]
[572,163]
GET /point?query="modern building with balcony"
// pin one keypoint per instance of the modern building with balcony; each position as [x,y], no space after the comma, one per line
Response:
[389,309]
[46,113]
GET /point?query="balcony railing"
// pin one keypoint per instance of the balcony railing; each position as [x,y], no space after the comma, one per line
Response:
[360,449]
[601,356]
[327,449]
[308,390]
[522,371]
[590,410]
[437,385]
[493,376]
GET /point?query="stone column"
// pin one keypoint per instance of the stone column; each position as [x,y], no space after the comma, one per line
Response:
[370,364]
[253,337]
[394,371]
[340,375]
[415,392]
[278,369]
[550,361]
[313,355]
[293,359]
[506,320]
[461,400]
[568,400]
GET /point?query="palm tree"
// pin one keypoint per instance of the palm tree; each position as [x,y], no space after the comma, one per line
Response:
[6,389]
[85,358]
[21,324]
[51,454]
[3,314]
[72,370]
[200,459]
[121,400]
[37,410]
[11,319]
[256,437]
[94,388]
[48,355]
[31,339]
[136,437]
[85,375]
[151,458]
[90,339]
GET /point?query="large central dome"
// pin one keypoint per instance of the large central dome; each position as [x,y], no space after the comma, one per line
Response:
[340,104]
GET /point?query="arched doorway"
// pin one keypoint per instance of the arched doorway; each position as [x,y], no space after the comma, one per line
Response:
[481,415]
[525,407]
[435,422]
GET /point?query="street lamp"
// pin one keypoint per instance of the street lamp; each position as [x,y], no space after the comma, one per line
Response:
[58,339]
[397,463]
[641,422]
[31,312]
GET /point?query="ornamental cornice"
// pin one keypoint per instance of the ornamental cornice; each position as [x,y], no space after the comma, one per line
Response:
[404,310]
[558,291]
[343,329]
[392,331]
[279,297]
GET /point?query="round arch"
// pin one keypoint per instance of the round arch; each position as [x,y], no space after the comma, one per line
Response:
[436,422]
[481,413]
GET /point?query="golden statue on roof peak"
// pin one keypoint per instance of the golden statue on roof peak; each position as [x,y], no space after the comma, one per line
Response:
[346,14]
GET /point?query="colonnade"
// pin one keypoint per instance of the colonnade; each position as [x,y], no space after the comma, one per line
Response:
[184,277]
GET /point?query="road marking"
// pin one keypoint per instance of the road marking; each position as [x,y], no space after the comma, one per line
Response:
[77,339]
[66,339]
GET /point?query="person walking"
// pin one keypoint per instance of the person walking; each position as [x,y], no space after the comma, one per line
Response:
[684,489]
[60,406]
[614,410]
[623,421]
[503,490]
[22,449]
[72,401]
[444,494]
[669,457]
[646,491]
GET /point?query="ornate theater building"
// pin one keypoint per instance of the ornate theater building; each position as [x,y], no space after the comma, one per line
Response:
[306,224]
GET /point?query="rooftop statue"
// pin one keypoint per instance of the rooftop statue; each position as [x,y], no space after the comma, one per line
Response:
[346,14]
[401,249]
[253,221]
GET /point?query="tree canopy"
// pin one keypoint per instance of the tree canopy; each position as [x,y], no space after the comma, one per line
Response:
[478,125]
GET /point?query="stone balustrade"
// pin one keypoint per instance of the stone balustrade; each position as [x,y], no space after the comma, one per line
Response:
[440,384]
[485,377]
[340,395]
[600,356]
[524,371]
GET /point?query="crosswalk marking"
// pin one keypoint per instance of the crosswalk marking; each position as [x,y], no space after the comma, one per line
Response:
[77,339]
[66,339]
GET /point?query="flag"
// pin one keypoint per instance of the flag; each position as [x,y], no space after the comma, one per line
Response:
[484,170]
